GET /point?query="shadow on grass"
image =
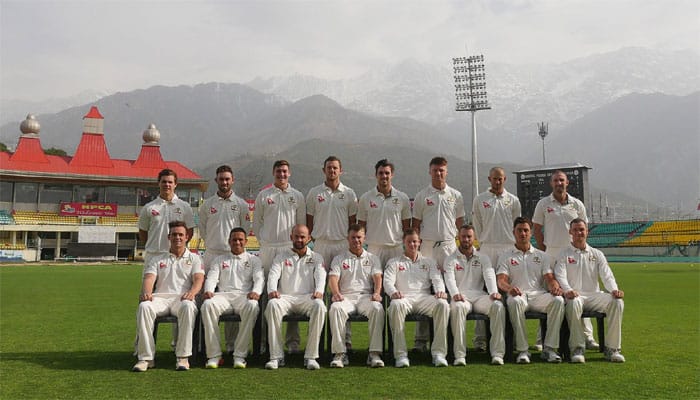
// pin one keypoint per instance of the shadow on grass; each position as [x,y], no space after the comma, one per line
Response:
[79,360]
[120,361]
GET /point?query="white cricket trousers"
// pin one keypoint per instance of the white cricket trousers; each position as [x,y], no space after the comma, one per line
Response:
[229,303]
[587,325]
[267,256]
[438,251]
[184,310]
[363,304]
[425,304]
[553,306]
[491,250]
[277,308]
[482,305]
[601,302]
[231,328]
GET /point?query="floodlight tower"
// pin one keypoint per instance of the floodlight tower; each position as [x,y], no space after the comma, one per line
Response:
[543,131]
[470,95]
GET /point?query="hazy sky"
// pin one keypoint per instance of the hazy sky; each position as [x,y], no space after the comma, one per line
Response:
[60,48]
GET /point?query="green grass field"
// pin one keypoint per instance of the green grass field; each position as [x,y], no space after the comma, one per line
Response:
[67,332]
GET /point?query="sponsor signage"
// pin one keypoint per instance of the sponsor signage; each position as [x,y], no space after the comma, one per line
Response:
[88,209]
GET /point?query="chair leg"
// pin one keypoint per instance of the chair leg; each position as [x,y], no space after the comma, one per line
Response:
[601,333]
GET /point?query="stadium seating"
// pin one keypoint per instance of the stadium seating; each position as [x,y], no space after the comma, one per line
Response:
[613,234]
[6,218]
[667,233]
[10,246]
[120,219]
[42,218]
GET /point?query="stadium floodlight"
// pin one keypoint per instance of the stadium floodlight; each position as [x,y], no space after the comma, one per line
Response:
[470,95]
[543,131]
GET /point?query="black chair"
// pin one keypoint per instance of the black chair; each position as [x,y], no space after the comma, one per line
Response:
[472,316]
[509,336]
[352,317]
[411,317]
[304,318]
[231,317]
[564,336]
[171,319]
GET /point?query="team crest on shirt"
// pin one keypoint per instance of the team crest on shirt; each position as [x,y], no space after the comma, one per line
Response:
[291,200]
[212,210]
[429,202]
[225,265]
[154,212]
[486,204]
[162,265]
[514,262]
[178,210]
[234,207]
[402,267]
[366,262]
[537,260]
[320,198]
[459,267]
[372,204]
[476,263]
[395,201]
[593,259]
[346,265]
[570,260]
[246,264]
[309,260]
[550,210]
[341,196]
[423,267]
[269,201]
[287,263]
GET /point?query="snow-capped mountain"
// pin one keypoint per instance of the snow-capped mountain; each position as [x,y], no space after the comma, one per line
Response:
[520,95]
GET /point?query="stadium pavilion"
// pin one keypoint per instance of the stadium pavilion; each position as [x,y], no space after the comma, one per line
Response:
[84,206]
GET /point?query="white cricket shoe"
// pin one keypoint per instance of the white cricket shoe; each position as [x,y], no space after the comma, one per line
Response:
[374,360]
[143,365]
[523,357]
[311,364]
[577,356]
[337,361]
[439,361]
[402,362]
[212,363]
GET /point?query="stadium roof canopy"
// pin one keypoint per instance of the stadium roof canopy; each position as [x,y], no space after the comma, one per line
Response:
[91,160]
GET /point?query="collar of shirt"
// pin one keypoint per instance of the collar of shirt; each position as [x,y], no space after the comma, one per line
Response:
[240,256]
[580,251]
[465,257]
[433,189]
[341,187]
[498,196]
[554,199]
[230,197]
[405,258]
[353,255]
[162,200]
[528,251]
[380,194]
[187,253]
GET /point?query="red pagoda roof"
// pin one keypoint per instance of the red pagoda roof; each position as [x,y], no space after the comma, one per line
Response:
[91,159]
